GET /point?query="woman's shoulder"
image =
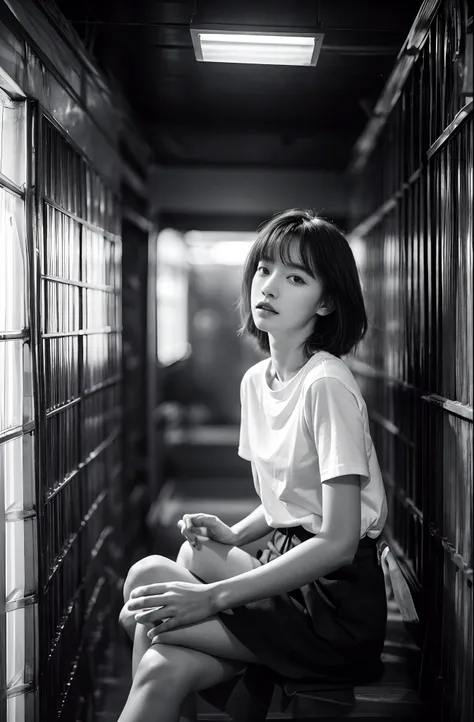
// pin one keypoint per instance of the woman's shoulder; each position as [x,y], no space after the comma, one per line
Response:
[255,373]
[332,369]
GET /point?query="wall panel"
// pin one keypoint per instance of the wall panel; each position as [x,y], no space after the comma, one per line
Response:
[79,337]
[416,363]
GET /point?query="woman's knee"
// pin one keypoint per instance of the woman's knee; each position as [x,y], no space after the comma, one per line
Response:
[186,555]
[204,559]
[212,561]
[145,571]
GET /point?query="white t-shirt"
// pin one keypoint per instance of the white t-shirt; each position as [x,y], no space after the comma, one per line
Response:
[313,428]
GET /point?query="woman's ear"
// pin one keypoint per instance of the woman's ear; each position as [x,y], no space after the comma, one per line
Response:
[325,307]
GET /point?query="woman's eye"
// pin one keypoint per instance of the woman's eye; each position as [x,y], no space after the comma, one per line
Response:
[262,270]
[297,279]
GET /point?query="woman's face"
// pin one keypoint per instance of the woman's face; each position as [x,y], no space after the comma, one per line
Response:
[293,294]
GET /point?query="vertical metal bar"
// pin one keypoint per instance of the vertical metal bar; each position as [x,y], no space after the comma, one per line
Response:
[34,244]
[40,254]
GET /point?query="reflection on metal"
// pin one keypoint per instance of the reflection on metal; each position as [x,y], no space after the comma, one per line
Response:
[390,427]
[408,55]
[406,501]
[82,221]
[7,183]
[454,407]
[80,284]
[452,128]
[412,207]
[366,225]
[49,64]
[71,475]
[79,390]
[456,557]
[21,603]
[19,689]
[12,515]
[11,335]
[137,219]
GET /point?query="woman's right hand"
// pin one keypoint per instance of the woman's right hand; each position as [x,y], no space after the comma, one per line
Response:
[206,526]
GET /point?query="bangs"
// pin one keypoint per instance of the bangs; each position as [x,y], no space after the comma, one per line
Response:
[300,239]
[288,245]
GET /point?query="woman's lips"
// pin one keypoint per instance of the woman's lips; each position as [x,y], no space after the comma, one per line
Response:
[264,307]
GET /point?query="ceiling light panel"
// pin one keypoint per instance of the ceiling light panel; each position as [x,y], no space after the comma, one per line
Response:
[238,46]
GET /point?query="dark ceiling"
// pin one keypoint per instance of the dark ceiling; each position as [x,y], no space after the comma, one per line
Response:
[246,115]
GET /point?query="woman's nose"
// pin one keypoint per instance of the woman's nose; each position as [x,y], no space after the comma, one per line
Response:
[269,287]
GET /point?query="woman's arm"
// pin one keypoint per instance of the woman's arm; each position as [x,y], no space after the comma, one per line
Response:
[332,548]
[251,528]
[254,526]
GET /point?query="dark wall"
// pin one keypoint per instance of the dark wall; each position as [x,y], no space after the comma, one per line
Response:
[416,364]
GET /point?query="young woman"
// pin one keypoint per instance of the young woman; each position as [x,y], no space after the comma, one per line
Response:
[313,606]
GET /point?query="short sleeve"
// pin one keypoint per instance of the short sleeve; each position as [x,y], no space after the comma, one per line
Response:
[338,428]
[244,445]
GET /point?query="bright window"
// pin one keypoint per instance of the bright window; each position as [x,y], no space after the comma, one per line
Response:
[17,575]
[172,297]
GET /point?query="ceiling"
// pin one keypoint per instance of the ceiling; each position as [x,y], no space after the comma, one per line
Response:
[210,114]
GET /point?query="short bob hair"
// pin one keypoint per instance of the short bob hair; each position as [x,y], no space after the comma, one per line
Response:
[326,255]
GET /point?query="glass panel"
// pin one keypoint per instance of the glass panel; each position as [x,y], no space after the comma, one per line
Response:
[12,265]
[16,708]
[15,556]
[21,570]
[11,467]
[12,139]
[11,382]
[20,646]
[22,707]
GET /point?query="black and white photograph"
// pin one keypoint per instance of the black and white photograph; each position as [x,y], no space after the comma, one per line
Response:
[236,360]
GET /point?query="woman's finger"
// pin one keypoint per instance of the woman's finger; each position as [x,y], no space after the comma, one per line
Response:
[166,626]
[199,519]
[138,604]
[198,531]
[183,529]
[146,590]
[153,616]
[186,533]
[188,521]
[204,519]
[157,629]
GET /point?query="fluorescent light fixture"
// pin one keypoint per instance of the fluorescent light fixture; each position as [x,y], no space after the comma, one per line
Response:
[220,44]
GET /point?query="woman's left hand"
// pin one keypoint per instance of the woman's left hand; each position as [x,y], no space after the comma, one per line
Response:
[179,603]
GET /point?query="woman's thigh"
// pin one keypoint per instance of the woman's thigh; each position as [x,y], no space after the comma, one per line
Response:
[210,636]
[212,561]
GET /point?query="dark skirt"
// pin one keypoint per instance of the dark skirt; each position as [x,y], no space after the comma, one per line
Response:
[331,630]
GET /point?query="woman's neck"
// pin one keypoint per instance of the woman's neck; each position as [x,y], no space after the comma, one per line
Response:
[286,361]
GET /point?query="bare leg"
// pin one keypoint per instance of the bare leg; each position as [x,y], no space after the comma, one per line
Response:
[213,561]
[164,678]
[140,645]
